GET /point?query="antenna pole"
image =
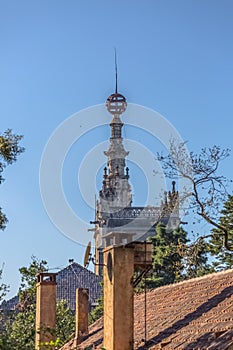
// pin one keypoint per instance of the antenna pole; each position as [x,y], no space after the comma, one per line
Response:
[116,68]
[95,207]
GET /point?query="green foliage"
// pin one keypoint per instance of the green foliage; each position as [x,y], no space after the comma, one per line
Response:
[22,330]
[223,257]
[167,261]
[19,331]
[9,150]
[27,289]
[3,220]
[52,345]
[98,311]
[65,322]
[195,259]
[4,289]
[174,259]
[4,334]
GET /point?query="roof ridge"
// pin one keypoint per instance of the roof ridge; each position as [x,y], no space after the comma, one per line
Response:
[76,264]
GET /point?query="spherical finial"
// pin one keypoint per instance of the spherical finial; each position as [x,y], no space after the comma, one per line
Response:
[116,104]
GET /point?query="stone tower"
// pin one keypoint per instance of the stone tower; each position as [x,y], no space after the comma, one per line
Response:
[116,190]
[117,221]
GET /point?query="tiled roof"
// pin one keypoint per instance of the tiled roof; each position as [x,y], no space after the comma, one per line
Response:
[193,315]
[9,304]
[76,276]
[68,279]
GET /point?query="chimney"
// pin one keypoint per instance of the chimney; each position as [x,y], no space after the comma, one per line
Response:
[118,298]
[120,263]
[45,309]
[82,306]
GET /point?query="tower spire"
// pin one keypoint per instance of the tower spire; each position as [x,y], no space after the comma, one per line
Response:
[116,191]
[116,69]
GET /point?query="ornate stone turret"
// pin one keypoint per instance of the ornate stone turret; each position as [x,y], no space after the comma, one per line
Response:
[171,200]
[117,222]
[116,191]
[115,194]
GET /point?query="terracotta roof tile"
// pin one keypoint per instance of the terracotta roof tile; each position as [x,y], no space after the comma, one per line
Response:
[192,315]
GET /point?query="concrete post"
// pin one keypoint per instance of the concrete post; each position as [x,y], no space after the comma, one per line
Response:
[45,309]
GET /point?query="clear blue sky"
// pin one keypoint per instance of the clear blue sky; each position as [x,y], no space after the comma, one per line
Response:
[175,57]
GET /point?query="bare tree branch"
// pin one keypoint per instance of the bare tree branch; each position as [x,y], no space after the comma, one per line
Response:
[207,188]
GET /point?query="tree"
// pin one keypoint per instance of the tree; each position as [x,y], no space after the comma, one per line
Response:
[3,287]
[65,322]
[172,262]
[3,291]
[9,151]
[223,257]
[27,289]
[205,188]
[195,259]
[19,332]
[167,261]
[98,311]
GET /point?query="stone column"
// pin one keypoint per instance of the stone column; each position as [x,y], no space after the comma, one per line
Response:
[45,309]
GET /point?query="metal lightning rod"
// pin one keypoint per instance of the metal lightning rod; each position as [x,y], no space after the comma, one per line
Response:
[116,68]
